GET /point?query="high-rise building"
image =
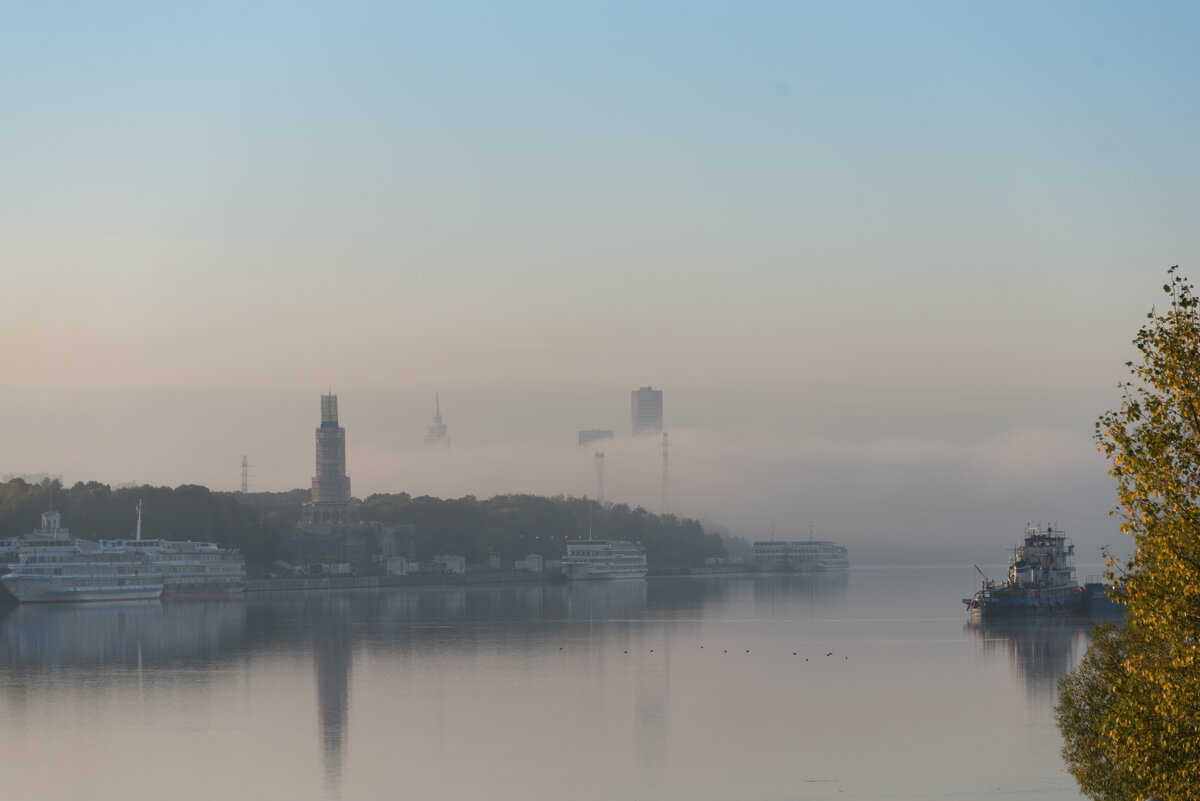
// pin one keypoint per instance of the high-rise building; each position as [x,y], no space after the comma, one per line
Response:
[646,410]
[331,503]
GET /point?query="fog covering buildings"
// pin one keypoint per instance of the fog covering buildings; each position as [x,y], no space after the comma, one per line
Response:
[437,433]
[593,434]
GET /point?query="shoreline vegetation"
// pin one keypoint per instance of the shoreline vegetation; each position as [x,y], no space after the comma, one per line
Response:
[512,526]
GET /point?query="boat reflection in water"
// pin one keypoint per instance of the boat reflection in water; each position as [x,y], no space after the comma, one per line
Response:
[589,629]
[589,600]
[1041,649]
[690,688]
[119,634]
[813,590]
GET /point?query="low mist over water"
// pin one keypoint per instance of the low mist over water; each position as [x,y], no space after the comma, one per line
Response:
[922,481]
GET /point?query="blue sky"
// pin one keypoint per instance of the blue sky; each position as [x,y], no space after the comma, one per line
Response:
[820,228]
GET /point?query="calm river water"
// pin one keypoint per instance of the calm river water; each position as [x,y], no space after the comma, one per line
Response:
[870,685]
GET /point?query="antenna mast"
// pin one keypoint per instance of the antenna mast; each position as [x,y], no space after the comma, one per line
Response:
[245,475]
[666,496]
[600,477]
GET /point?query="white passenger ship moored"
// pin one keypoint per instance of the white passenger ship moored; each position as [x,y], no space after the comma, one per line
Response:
[803,556]
[60,576]
[604,559]
[194,568]
[50,538]
[48,566]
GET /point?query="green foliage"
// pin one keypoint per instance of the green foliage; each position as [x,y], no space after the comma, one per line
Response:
[1143,709]
[517,525]
[1087,698]
[95,511]
[282,509]
[512,525]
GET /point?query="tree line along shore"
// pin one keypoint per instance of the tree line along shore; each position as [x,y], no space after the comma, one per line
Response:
[259,523]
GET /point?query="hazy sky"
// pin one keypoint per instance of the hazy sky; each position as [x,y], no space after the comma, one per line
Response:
[883,259]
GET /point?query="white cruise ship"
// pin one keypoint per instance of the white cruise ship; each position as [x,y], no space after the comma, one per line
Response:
[49,566]
[604,559]
[800,556]
[51,537]
[71,575]
[190,568]
[187,567]
[194,568]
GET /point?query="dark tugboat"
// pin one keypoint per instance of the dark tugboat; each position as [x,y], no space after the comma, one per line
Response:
[1041,579]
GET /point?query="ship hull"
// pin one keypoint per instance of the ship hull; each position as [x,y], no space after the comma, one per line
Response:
[1027,603]
[33,590]
[215,591]
[591,574]
[806,568]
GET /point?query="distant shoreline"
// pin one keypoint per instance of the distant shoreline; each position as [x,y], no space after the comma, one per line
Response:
[375,582]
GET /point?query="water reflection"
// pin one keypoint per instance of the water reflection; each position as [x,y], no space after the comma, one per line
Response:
[120,634]
[605,600]
[181,640]
[1041,650]
[332,657]
[334,625]
[810,591]
[516,692]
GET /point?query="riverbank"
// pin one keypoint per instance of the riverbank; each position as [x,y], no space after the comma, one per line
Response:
[418,580]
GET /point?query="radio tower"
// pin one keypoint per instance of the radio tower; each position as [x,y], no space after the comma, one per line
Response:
[666,496]
[600,477]
[245,475]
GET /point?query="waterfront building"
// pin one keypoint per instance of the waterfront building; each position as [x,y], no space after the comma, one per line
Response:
[451,563]
[532,562]
[646,410]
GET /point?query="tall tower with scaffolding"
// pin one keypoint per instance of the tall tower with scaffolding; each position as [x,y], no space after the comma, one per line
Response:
[331,503]
[438,434]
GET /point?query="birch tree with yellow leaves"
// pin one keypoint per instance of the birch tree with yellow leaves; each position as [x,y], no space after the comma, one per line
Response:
[1130,715]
